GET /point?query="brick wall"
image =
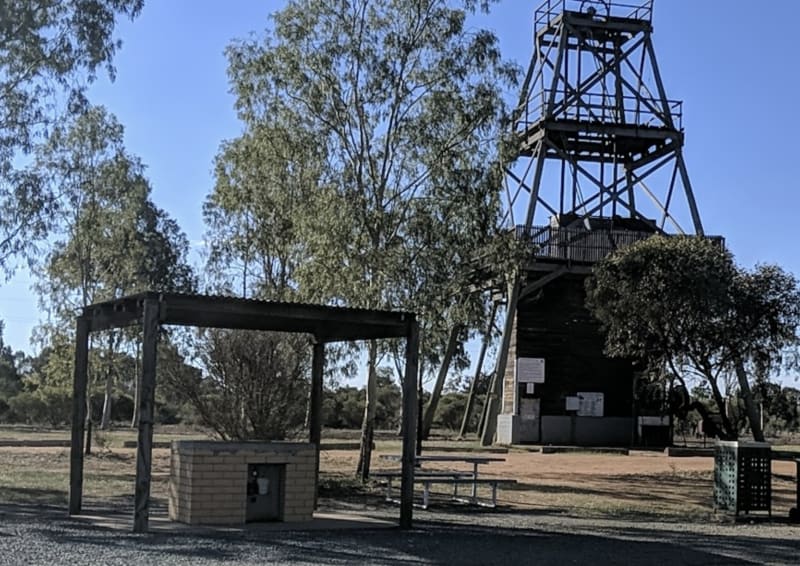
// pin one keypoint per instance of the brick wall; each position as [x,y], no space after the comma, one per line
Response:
[510,376]
[208,480]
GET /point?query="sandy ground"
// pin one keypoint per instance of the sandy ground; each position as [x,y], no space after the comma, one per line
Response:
[645,483]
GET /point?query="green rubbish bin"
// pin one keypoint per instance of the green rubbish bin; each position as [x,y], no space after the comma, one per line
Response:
[742,477]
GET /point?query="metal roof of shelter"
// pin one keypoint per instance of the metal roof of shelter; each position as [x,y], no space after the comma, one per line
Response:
[326,323]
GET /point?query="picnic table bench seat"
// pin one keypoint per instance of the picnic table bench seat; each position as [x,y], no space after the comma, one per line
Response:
[444,477]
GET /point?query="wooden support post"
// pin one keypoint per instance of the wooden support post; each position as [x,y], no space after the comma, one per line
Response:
[315,409]
[144,451]
[80,379]
[409,425]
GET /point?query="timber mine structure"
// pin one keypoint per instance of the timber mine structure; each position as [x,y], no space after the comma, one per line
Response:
[599,166]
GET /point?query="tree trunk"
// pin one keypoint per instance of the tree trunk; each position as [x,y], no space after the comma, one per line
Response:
[478,368]
[726,422]
[485,406]
[370,408]
[750,406]
[88,424]
[436,394]
[105,420]
[137,380]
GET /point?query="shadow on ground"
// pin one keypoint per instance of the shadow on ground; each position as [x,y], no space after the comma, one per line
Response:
[434,542]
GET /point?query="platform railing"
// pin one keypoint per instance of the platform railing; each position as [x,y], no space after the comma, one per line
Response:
[582,245]
[544,14]
[577,244]
[602,108]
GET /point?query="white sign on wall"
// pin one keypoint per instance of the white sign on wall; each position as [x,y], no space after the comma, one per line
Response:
[573,403]
[530,370]
[590,404]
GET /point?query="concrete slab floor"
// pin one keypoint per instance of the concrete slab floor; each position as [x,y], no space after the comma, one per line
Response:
[160,523]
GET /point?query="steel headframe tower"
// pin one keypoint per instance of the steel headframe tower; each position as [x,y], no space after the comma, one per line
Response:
[599,142]
[593,104]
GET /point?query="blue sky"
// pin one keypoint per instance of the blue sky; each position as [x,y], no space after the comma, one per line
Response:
[734,64]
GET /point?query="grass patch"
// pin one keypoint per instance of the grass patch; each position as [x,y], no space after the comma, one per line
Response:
[341,486]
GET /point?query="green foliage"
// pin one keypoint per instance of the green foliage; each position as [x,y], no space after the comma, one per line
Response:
[450,410]
[780,405]
[49,50]
[369,169]
[255,383]
[343,407]
[257,209]
[685,299]
[682,303]
[113,240]
[662,296]
[10,379]
[109,240]
[391,113]
[52,406]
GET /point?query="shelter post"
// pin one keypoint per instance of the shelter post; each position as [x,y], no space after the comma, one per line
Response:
[78,415]
[144,446]
[315,409]
[409,425]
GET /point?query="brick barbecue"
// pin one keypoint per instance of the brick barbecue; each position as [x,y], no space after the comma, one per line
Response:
[215,482]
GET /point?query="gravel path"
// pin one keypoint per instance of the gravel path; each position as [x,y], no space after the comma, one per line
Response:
[34,535]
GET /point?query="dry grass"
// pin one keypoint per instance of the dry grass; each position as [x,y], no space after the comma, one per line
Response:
[643,485]
[110,438]
[41,475]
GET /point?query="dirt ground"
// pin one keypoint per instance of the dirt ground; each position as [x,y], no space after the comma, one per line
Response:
[567,508]
[642,484]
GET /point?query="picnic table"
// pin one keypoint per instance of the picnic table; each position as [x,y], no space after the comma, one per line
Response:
[454,478]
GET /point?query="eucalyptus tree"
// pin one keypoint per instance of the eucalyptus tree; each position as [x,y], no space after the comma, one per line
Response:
[10,380]
[405,101]
[254,380]
[109,239]
[254,215]
[49,51]
[683,303]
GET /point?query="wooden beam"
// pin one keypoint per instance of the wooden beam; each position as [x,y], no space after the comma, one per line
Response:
[105,320]
[315,409]
[542,281]
[409,426]
[327,323]
[78,415]
[144,452]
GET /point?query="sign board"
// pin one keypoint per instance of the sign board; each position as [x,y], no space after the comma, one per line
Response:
[530,388]
[590,404]
[529,408]
[573,403]
[530,370]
